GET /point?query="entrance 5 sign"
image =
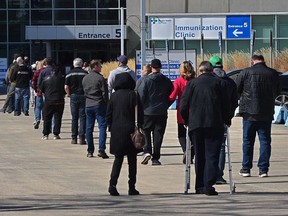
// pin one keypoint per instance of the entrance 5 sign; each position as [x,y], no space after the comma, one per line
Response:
[238,27]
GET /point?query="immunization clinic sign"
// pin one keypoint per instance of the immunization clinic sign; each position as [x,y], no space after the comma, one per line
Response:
[190,27]
[176,57]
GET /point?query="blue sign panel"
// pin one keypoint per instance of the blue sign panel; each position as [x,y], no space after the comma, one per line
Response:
[238,27]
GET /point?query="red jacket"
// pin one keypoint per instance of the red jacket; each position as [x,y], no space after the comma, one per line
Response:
[35,80]
[179,86]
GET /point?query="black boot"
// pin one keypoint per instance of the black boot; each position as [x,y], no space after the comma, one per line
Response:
[113,190]
[133,191]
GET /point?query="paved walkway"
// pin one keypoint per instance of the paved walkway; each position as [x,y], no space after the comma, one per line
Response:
[53,177]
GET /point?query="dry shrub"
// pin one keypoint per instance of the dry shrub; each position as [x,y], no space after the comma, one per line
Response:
[109,66]
[231,61]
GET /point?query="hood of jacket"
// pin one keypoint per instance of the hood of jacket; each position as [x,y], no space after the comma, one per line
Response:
[219,72]
[124,81]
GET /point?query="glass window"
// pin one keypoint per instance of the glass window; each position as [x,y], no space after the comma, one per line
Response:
[41,17]
[2,4]
[210,46]
[238,45]
[3,26]
[123,3]
[263,25]
[283,26]
[64,17]
[41,3]
[261,44]
[21,48]
[63,3]
[18,3]
[86,17]
[282,45]
[17,20]
[107,3]
[85,4]
[3,51]
[108,17]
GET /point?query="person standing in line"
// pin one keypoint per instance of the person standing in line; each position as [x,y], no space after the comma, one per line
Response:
[52,86]
[146,70]
[74,90]
[187,73]
[47,71]
[122,68]
[9,104]
[39,102]
[257,87]
[121,121]
[22,76]
[96,93]
[231,89]
[203,108]
[154,93]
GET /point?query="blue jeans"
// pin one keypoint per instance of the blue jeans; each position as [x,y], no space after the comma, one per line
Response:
[263,130]
[22,93]
[77,108]
[39,102]
[96,113]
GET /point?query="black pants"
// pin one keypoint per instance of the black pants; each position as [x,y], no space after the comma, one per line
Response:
[207,143]
[157,125]
[116,168]
[50,110]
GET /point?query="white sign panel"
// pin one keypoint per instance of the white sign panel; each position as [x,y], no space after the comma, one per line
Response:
[187,27]
[190,27]
[83,32]
[176,57]
[161,28]
[212,25]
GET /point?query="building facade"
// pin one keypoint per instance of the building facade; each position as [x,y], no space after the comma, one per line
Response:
[62,29]
[65,29]
[173,20]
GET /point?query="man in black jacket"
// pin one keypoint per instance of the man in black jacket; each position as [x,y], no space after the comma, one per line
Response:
[74,90]
[258,87]
[52,86]
[204,109]
[154,93]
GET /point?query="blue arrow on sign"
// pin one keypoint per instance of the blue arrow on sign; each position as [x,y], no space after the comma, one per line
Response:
[238,27]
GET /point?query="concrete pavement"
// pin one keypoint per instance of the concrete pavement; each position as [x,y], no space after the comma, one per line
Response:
[53,177]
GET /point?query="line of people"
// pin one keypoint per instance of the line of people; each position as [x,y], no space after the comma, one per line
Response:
[205,106]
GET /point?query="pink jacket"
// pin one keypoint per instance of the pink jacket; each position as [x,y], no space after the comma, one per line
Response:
[179,86]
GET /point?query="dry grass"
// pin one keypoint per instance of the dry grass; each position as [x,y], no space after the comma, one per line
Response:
[109,66]
[234,60]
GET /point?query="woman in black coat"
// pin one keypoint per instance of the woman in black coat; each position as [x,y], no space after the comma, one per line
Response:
[120,119]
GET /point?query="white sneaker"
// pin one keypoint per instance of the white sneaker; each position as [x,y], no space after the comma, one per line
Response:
[146,158]
[45,137]
[56,137]
[263,174]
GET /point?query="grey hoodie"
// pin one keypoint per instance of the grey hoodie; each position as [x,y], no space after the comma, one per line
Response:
[113,73]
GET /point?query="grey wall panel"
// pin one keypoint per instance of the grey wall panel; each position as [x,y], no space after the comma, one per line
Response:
[208,6]
[259,6]
[166,6]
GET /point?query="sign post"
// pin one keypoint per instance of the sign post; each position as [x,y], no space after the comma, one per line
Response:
[220,43]
[184,48]
[271,48]
[252,42]
[168,60]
